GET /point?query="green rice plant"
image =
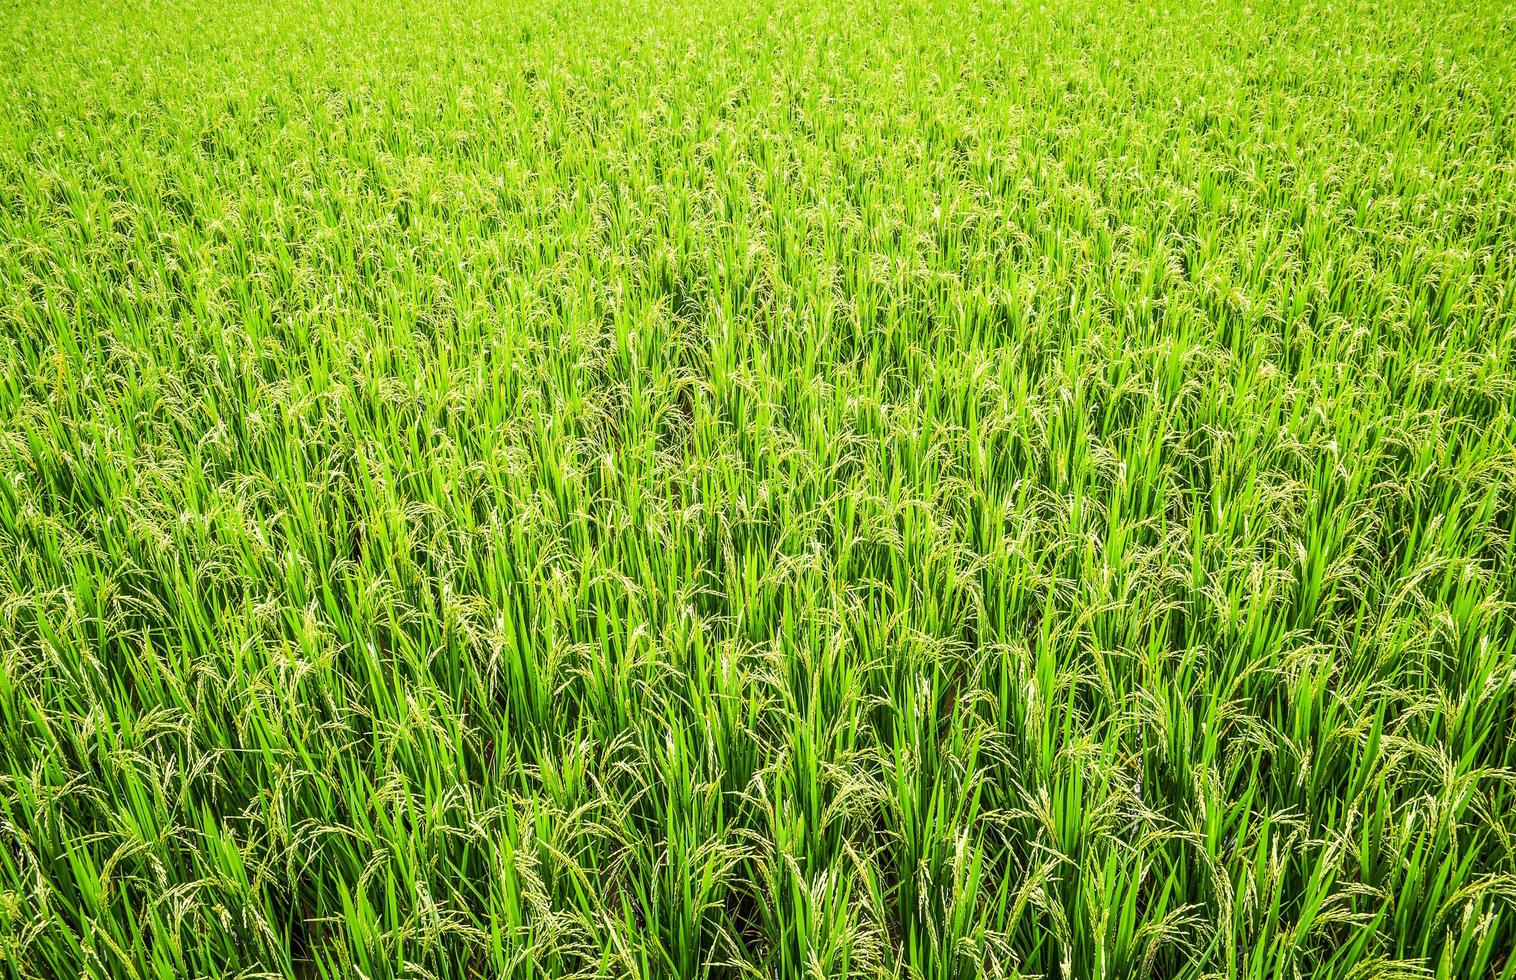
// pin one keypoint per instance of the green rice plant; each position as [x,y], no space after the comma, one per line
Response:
[904,490]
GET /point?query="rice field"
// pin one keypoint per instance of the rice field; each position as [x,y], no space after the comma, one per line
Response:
[915,489]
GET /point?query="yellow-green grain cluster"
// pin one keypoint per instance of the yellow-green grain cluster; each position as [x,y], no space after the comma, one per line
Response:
[912,489]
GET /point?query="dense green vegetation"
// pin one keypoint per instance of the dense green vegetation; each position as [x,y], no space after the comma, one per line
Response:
[775,490]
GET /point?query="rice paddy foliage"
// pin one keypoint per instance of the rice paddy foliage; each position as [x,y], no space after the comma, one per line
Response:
[915,489]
